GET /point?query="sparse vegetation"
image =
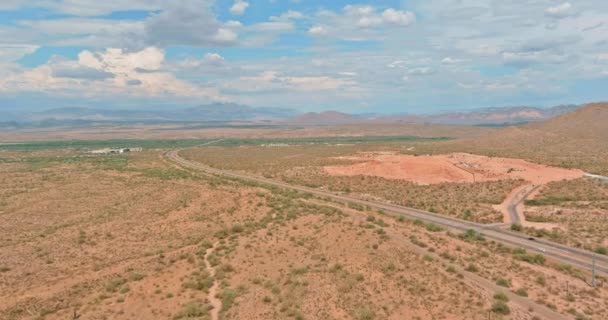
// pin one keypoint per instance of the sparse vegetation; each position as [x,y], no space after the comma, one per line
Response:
[146,229]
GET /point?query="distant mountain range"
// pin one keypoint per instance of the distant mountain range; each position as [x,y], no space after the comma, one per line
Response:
[486,116]
[497,116]
[229,112]
[219,112]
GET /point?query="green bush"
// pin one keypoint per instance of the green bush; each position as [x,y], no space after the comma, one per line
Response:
[472,268]
[521,292]
[501,296]
[517,227]
[501,307]
[365,314]
[503,282]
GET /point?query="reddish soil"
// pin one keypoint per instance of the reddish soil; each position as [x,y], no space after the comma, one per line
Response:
[455,167]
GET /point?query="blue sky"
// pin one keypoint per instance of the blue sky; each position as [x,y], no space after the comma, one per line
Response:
[412,56]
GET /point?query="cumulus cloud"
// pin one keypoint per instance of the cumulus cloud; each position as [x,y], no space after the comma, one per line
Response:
[239,7]
[113,71]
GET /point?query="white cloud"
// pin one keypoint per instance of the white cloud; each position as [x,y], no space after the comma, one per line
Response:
[317,30]
[397,17]
[109,72]
[239,7]
[13,52]
[360,22]
[450,60]
[272,80]
[288,15]
[560,11]
[214,58]
[422,71]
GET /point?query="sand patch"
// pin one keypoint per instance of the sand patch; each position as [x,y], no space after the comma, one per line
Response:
[455,167]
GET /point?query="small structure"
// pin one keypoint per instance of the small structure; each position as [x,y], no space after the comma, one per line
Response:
[115,150]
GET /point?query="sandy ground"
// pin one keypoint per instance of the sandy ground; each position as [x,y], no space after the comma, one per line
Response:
[455,167]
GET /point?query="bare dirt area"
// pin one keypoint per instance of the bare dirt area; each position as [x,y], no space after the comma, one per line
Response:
[455,167]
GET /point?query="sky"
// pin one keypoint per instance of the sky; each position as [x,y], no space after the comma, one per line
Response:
[383,56]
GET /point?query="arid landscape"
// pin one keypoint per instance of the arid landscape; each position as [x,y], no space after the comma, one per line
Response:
[137,235]
[303,160]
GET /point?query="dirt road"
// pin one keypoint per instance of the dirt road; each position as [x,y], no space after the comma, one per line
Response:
[216,303]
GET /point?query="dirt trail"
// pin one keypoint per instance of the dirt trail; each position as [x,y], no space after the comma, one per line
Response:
[212,296]
[513,207]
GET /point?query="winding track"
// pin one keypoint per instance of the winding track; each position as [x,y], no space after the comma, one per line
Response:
[561,253]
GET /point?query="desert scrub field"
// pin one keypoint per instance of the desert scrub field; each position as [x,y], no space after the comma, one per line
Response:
[301,164]
[271,161]
[105,236]
[133,240]
[469,201]
[579,207]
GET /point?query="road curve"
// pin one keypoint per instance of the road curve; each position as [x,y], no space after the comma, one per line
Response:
[560,253]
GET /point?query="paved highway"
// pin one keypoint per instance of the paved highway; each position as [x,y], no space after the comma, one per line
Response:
[561,253]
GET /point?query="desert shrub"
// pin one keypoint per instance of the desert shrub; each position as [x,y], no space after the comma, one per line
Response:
[522,255]
[365,314]
[501,307]
[228,296]
[521,292]
[135,276]
[114,284]
[471,236]
[417,242]
[501,296]
[192,310]
[433,227]
[237,228]
[472,268]
[517,227]
[503,282]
